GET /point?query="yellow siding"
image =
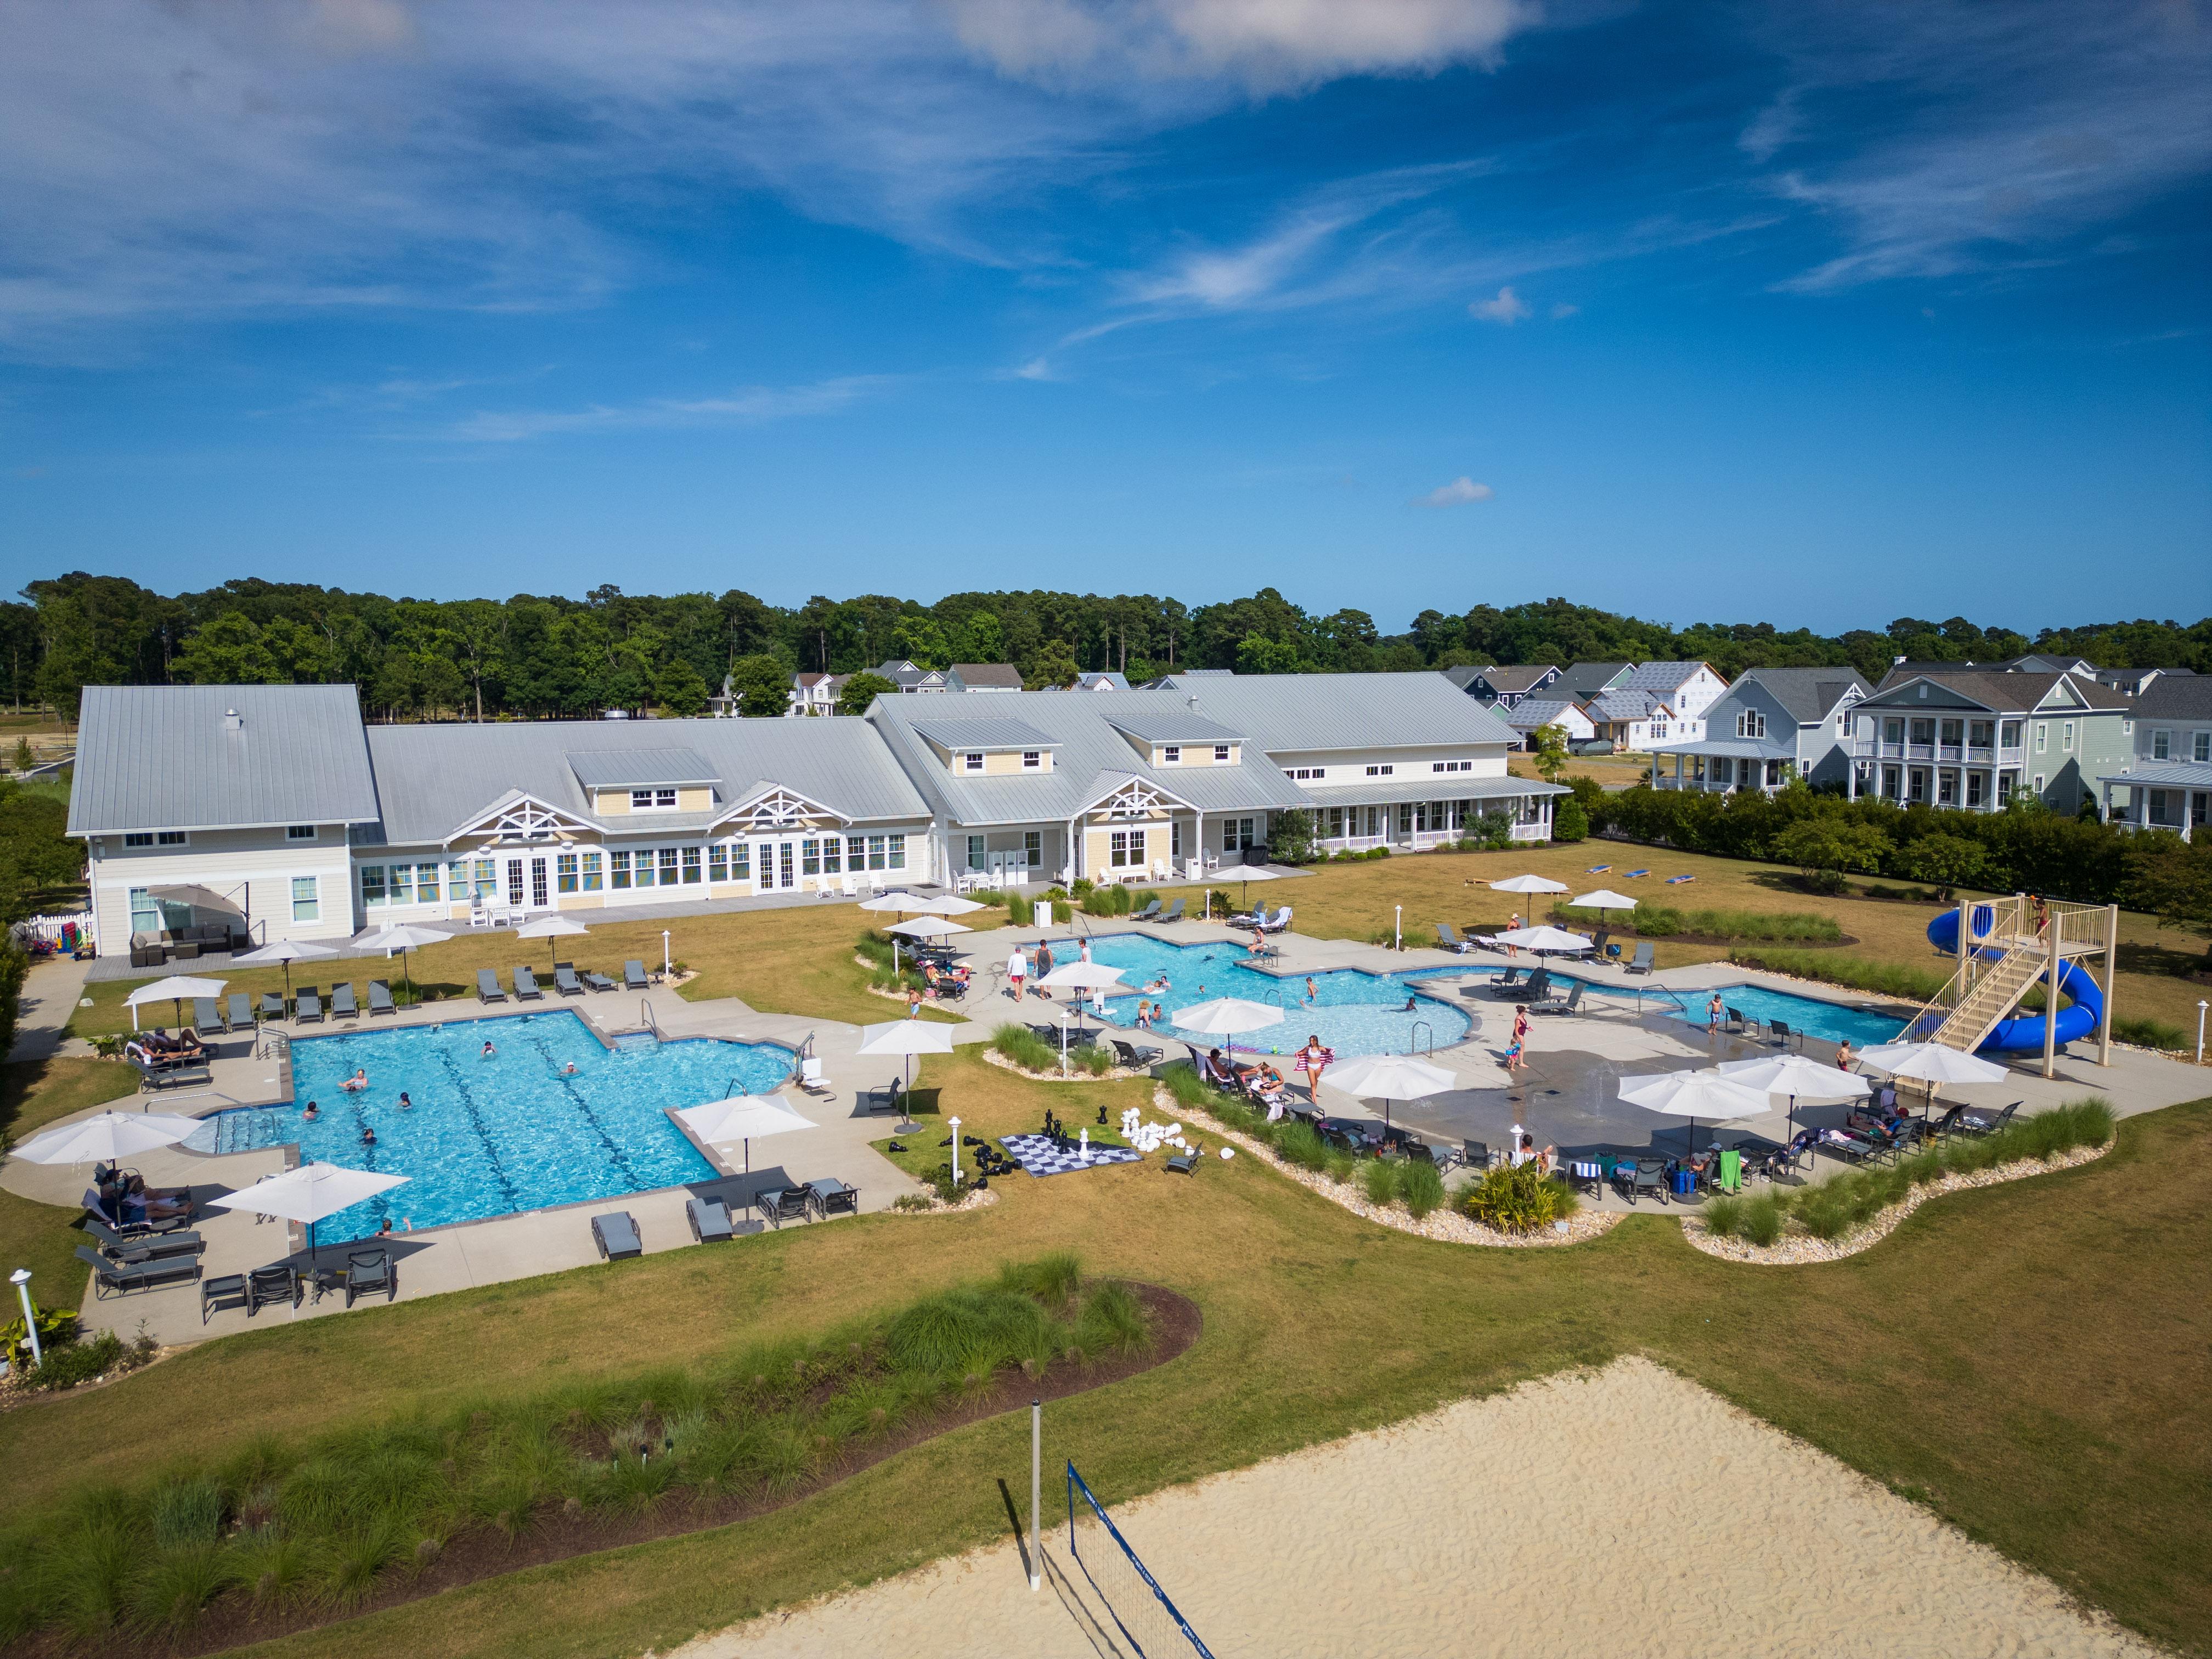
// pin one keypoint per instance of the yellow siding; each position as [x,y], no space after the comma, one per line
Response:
[612,802]
[695,800]
[1196,754]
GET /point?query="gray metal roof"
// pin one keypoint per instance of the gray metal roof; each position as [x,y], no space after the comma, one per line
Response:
[2166,774]
[161,757]
[2000,690]
[1809,694]
[1586,679]
[431,779]
[1170,726]
[1295,713]
[1510,678]
[1735,748]
[1625,703]
[625,769]
[1530,713]
[1086,747]
[981,732]
[1438,785]
[1664,677]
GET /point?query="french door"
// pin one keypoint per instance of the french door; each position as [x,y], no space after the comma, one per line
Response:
[527,887]
[775,866]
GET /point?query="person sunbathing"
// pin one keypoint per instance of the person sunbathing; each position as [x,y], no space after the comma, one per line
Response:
[1214,1069]
[144,1203]
[1263,1080]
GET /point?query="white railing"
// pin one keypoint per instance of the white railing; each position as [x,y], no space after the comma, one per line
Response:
[1424,839]
[49,928]
[1353,843]
[1532,832]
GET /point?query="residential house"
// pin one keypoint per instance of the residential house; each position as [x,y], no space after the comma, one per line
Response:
[2134,682]
[2039,662]
[1772,724]
[1531,715]
[810,693]
[1973,738]
[983,676]
[1100,682]
[1634,719]
[1504,685]
[912,678]
[2166,783]
[1583,680]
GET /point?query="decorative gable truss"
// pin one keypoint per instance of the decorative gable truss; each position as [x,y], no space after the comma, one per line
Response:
[520,820]
[1132,797]
[772,808]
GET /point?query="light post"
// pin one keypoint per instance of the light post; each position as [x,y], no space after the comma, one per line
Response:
[21,1278]
[1398,927]
[1036,1488]
[953,1124]
[2200,1007]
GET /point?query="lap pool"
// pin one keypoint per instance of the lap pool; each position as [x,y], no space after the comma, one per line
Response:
[492,1135]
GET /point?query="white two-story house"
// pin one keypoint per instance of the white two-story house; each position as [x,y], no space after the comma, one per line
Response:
[1772,724]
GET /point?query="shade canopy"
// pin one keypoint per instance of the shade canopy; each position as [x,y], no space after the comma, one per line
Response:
[928,927]
[1249,872]
[1226,1016]
[1527,884]
[309,1192]
[743,1117]
[1604,899]
[948,904]
[174,988]
[1696,1094]
[1389,1077]
[283,950]
[1931,1062]
[200,898]
[1082,977]
[906,1036]
[1797,1077]
[106,1137]
[551,927]
[402,936]
[1543,939]
[909,903]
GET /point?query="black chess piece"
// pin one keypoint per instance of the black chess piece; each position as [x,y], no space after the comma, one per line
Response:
[947,1141]
[895,1147]
[1102,1117]
[982,1183]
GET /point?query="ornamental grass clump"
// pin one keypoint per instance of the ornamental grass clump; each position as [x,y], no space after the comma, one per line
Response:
[1420,1188]
[1516,1201]
[1380,1180]
[1025,1049]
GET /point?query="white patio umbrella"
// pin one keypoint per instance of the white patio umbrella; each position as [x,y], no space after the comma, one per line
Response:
[1694,1095]
[403,937]
[1225,1017]
[286,950]
[1079,976]
[1931,1063]
[744,1118]
[1604,899]
[309,1193]
[1545,939]
[175,988]
[925,926]
[1248,873]
[1527,884]
[1393,1077]
[106,1137]
[1798,1078]
[907,1037]
[948,904]
[906,904]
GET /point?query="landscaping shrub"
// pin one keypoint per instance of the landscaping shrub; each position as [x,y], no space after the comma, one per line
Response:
[1515,1200]
[1028,1050]
[73,1363]
[1380,1181]
[1761,1219]
[1722,1216]
[1298,1143]
[2149,1033]
[1570,822]
[1020,912]
[1663,921]
[1421,1188]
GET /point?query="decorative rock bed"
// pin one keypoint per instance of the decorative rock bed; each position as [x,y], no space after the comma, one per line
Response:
[1798,1249]
[1444,1224]
[1111,1074]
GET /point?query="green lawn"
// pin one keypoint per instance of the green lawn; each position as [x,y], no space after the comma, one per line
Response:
[41,1237]
[2029,1360]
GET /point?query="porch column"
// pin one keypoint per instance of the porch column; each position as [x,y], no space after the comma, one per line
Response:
[1655,768]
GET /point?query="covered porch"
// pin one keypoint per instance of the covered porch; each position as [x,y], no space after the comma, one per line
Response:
[1415,817]
[1723,764]
[2173,796]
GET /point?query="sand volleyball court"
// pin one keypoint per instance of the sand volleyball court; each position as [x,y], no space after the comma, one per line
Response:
[1625,1511]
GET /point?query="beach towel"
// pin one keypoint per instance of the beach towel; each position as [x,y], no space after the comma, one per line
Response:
[1327,1058]
[1731,1170]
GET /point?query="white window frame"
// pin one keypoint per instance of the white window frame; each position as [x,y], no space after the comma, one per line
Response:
[307,904]
[653,800]
[2161,745]
[2066,735]
[1381,771]
[1221,754]
[171,838]
[1032,760]
[1751,723]
[971,761]
[138,838]
[1171,754]
[2200,745]
[299,832]
[2042,742]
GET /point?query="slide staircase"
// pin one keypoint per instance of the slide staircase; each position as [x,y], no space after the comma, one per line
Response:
[2008,956]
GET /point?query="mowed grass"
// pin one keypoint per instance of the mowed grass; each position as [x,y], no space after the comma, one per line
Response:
[1355,900]
[41,1237]
[2026,1359]
[791,961]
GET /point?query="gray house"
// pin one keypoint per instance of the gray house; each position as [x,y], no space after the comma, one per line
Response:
[2168,785]
[1974,738]
[1772,724]
[1504,685]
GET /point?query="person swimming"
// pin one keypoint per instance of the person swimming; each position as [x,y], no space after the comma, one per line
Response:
[569,1070]
[313,1112]
[357,1082]
[405,1104]
[488,1051]
[368,1136]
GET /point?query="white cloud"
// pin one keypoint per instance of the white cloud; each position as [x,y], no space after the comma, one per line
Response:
[748,406]
[1507,307]
[1267,45]
[1035,369]
[1562,310]
[1458,493]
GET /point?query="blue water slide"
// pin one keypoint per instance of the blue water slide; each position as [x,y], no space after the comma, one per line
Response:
[2078,1020]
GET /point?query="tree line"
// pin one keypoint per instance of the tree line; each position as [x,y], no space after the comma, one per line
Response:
[534,656]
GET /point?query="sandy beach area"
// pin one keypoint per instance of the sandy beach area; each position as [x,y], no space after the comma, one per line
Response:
[1625,1512]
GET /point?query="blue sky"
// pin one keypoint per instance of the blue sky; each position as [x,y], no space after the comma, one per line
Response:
[1813,315]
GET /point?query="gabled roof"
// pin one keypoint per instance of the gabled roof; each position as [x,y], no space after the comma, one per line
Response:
[1586,679]
[2003,691]
[1666,677]
[1515,677]
[166,757]
[957,731]
[1625,704]
[630,768]
[1809,694]
[994,676]
[2172,696]
[1093,682]
[2045,662]
[1295,713]
[1461,677]
[1170,726]
[1530,713]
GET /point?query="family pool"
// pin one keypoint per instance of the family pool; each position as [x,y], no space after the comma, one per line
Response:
[1835,1022]
[489,1135]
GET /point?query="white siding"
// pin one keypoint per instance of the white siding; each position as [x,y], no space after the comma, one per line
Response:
[255,868]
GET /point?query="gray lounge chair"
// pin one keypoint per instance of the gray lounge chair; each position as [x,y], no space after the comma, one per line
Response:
[710,1220]
[488,987]
[1451,941]
[379,999]
[634,977]
[307,1006]
[782,1203]
[1151,912]
[176,1075]
[616,1234]
[1173,913]
[1640,963]
[207,1014]
[272,1006]
[525,986]
[891,1099]
[147,1247]
[264,1286]
[227,1288]
[600,982]
[1974,1124]
[1573,1004]
[1135,1054]
[566,982]
[120,1278]
[1187,1162]
[367,1272]
[1778,1029]
[343,1006]
[240,1017]
[831,1196]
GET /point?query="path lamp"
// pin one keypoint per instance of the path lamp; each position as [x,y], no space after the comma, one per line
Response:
[953,1124]
[21,1278]
[2200,1007]
[667,968]
[1398,927]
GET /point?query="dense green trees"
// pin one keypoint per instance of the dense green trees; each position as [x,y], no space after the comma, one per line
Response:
[537,656]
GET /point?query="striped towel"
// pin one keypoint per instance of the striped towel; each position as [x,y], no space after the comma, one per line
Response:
[1327,1058]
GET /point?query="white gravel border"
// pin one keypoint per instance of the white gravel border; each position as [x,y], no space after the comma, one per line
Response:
[1795,1249]
[1444,1224]
[1112,1074]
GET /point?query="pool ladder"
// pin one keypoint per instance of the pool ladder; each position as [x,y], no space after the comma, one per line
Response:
[1413,1043]
[645,1015]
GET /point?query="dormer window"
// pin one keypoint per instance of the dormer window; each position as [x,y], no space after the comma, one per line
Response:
[972,762]
[1171,755]
[1221,754]
[1751,723]
[651,800]
[1032,760]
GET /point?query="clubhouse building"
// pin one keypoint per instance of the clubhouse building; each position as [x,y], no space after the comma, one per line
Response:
[277,809]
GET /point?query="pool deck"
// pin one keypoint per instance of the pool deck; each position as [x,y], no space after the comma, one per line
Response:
[1566,1096]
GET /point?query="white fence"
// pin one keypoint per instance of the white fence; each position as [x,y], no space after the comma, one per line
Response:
[49,928]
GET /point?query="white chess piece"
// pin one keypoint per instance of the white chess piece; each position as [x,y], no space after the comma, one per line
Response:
[1086,1145]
